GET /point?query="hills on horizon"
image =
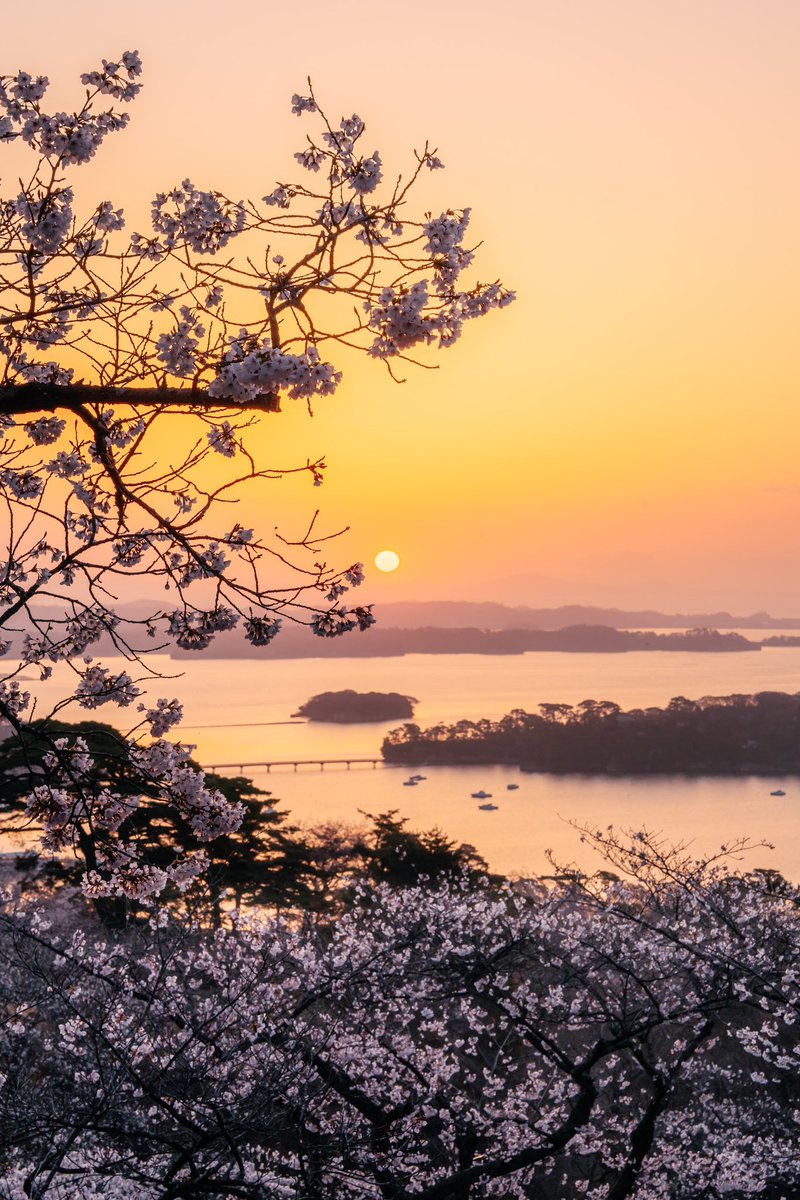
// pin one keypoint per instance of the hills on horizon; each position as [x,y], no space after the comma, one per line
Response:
[459,614]
[493,615]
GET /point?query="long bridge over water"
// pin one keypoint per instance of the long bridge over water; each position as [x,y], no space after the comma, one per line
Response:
[296,763]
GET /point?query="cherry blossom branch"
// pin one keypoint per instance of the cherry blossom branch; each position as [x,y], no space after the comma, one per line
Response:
[26,398]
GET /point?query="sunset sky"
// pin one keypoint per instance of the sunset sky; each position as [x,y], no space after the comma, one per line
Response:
[627,432]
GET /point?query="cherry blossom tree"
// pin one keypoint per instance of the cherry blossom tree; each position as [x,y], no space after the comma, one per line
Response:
[116,345]
[631,1033]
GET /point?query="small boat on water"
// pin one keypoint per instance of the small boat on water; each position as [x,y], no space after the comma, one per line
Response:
[488,807]
[512,787]
[418,778]
[778,792]
[410,782]
[481,795]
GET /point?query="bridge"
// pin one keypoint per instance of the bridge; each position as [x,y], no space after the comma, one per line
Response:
[295,763]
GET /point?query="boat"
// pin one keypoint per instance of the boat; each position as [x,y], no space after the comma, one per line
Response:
[488,807]
[778,792]
[409,783]
[418,778]
[481,795]
[512,787]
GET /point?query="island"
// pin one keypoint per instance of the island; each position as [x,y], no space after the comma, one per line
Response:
[715,735]
[349,707]
[391,642]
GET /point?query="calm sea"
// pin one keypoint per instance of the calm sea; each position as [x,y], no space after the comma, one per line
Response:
[238,713]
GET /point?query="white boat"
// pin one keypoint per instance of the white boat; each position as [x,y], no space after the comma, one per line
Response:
[481,795]
[488,807]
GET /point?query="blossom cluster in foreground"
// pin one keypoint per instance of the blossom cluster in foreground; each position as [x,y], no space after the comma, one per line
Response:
[594,1038]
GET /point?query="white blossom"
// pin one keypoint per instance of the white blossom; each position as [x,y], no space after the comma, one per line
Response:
[222,438]
[177,350]
[165,715]
[355,574]
[116,79]
[279,198]
[23,485]
[247,373]
[311,158]
[45,430]
[69,759]
[50,806]
[98,686]
[366,175]
[205,221]
[333,623]
[260,631]
[15,700]
[300,104]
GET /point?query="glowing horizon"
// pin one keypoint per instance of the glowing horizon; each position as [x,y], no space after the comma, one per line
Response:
[626,432]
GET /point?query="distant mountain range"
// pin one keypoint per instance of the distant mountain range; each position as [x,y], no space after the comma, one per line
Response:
[460,614]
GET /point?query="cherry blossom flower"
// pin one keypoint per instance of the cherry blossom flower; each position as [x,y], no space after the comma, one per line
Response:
[98,686]
[162,718]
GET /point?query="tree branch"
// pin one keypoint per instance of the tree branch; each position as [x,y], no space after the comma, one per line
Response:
[37,397]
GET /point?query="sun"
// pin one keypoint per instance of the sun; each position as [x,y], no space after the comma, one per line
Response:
[387,560]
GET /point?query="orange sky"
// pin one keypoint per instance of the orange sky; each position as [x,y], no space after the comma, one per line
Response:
[627,431]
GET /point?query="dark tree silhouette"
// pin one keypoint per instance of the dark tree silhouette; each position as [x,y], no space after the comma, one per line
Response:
[716,735]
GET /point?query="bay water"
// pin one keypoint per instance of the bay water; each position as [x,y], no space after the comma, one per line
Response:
[238,713]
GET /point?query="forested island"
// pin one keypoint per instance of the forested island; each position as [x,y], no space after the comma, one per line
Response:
[380,642]
[349,707]
[716,735]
